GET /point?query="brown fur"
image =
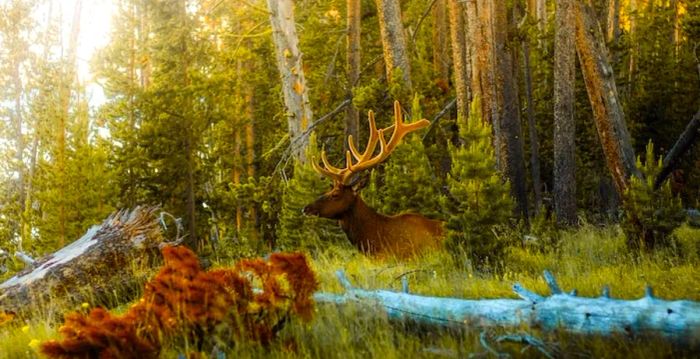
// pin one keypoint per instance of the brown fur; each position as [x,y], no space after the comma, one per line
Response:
[375,234]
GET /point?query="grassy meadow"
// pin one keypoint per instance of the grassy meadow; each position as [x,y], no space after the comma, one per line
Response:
[585,259]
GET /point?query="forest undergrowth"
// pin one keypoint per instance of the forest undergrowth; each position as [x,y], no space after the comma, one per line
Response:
[585,259]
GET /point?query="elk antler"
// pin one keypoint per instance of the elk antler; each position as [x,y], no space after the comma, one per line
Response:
[365,159]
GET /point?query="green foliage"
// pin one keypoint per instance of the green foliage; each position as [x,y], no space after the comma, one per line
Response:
[480,202]
[408,182]
[296,230]
[651,215]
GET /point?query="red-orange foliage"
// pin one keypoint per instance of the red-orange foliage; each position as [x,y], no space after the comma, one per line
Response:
[183,301]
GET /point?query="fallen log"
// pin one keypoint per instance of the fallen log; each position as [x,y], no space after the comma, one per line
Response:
[677,320]
[92,269]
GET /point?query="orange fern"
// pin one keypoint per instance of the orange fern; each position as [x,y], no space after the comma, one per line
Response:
[185,302]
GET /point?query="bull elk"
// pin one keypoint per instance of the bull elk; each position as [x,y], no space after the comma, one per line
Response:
[373,233]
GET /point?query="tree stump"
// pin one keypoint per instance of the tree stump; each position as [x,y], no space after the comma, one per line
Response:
[97,268]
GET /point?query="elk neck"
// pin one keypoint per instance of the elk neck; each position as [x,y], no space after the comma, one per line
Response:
[358,221]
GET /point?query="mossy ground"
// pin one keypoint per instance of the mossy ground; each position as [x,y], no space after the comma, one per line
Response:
[586,259]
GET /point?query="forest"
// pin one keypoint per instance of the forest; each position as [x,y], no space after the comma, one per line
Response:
[357,178]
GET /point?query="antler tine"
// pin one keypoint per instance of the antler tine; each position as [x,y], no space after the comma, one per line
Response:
[400,129]
[329,166]
[371,143]
[365,159]
[332,175]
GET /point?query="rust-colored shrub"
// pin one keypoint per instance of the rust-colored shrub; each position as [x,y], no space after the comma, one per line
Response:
[185,302]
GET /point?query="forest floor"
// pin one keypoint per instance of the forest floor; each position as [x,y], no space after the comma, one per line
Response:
[586,259]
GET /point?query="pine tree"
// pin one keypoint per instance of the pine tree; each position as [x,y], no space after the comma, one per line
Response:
[295,230]
[650,215]
[408,182]
[480,200]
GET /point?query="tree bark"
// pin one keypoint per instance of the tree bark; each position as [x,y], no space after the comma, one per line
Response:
[682,145]
[632,65]
[250,158]
[532,128]
[676,34]
[473,41]
[441,43]
[67,81]
[541,15]
[101,261]
[504,105]
[352,114]
[564,126]
[289,64]
[459,56]
[394,43]
[493,80]
[613,21]
[602,93]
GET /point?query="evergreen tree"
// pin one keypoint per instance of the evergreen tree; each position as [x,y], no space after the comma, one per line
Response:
[480,200]
[408,182]
[295,230]
[650,215]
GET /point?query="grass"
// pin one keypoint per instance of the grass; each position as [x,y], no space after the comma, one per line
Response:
[585,259]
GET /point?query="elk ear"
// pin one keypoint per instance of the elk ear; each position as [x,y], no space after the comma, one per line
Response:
[359,182]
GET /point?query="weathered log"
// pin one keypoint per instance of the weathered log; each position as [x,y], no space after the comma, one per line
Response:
[678,320]
[90,269]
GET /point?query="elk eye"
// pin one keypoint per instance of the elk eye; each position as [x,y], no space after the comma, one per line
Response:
[335,195]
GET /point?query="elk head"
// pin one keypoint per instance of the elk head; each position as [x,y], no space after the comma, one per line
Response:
[369,231]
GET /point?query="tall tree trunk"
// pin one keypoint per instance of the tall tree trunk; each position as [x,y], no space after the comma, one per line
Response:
[352,114]
[602,93]
[531,124]
[613,21]
[541,15]
[250,157]
[67,81]
[441,46]
[19,146]
[676,34]
[500,107]
[459,56]
[564,128]
[511,140]
[394,44]
[289,63]
[631,68]
[474,39]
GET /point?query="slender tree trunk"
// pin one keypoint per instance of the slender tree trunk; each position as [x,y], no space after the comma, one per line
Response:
[500,106]
[532,128]
[682,145]
[459,56]
[676,34]
[511,141]
[602,93]
[541,15]
[474,40]
[613,21]
[631,68]
[19,146]
[289,63]
[564,128]
[441,43]
[352,114]
[250,158]
[394,43]
[67,81]
[236,172]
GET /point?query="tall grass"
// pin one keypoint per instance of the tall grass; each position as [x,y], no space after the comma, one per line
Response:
[585,259]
